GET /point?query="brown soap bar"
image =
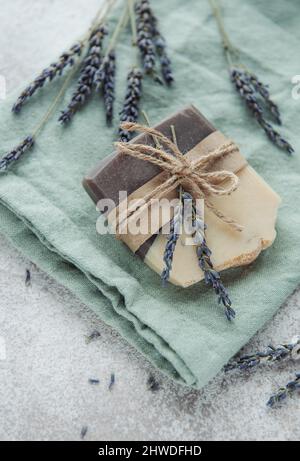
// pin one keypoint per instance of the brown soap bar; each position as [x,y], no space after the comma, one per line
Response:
[124,173]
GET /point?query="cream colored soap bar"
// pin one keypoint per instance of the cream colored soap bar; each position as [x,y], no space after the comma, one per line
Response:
[254,205]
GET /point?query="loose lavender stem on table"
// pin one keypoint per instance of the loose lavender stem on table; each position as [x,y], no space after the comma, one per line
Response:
[90,67]
[263,90]
[255,94]
[270,355]
[106,79]
[249,88]
[161,49]
[151,44]
[284,392]
[16,153]
[67,59]
[247,92]
[275,137]
[145,36]
[130,110]
[165,62]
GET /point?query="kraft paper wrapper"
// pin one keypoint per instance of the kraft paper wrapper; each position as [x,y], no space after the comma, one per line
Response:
[234,163]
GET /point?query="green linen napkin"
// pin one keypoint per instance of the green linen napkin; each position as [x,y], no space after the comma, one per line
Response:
[47,215]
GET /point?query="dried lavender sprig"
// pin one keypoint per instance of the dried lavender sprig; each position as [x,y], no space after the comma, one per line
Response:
[276,137]
[112,382]
[158,41]
[16,153]
[250,88]
[175,230]
[145,38]
[83,432]
[248,94]
[246,91]
[166,65]
[67,59]
[90,66]
[270,355]
[161,49]
[263,90]
[130,110]
[107,77]
[28,143]
[152,384]
[284,392]
[212,277]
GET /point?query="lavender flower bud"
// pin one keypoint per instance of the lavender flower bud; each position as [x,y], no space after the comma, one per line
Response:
[67,59]
[108,84]
[270,355]
[248,86]
[150,41]
[284,392]
[245,90]
[276,137]
[161,49]
[263,90]
[211,276]
[89,68]
[130,111]
[175,230]
[16,153]
[145,37]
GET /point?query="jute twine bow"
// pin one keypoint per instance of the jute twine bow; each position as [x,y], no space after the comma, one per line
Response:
[193,176]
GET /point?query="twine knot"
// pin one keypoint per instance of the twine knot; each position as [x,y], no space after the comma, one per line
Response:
[183,171]
[193,176]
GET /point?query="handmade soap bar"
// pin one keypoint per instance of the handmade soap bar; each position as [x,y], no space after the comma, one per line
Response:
[253,205]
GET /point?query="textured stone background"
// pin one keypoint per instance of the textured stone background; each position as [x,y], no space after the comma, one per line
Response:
[44,390]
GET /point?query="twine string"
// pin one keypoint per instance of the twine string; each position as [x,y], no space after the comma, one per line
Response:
[194,176]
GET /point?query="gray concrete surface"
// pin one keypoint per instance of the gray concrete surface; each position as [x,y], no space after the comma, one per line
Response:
[44,389]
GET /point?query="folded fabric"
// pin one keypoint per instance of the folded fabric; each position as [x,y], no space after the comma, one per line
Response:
[48,216]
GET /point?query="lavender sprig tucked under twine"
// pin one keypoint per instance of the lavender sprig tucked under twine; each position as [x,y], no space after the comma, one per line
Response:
[130,111]
[284,392]
[175,230]
[16,153]
[212,277]
[250,88]
[85,84]
[67,59]
[270,355]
